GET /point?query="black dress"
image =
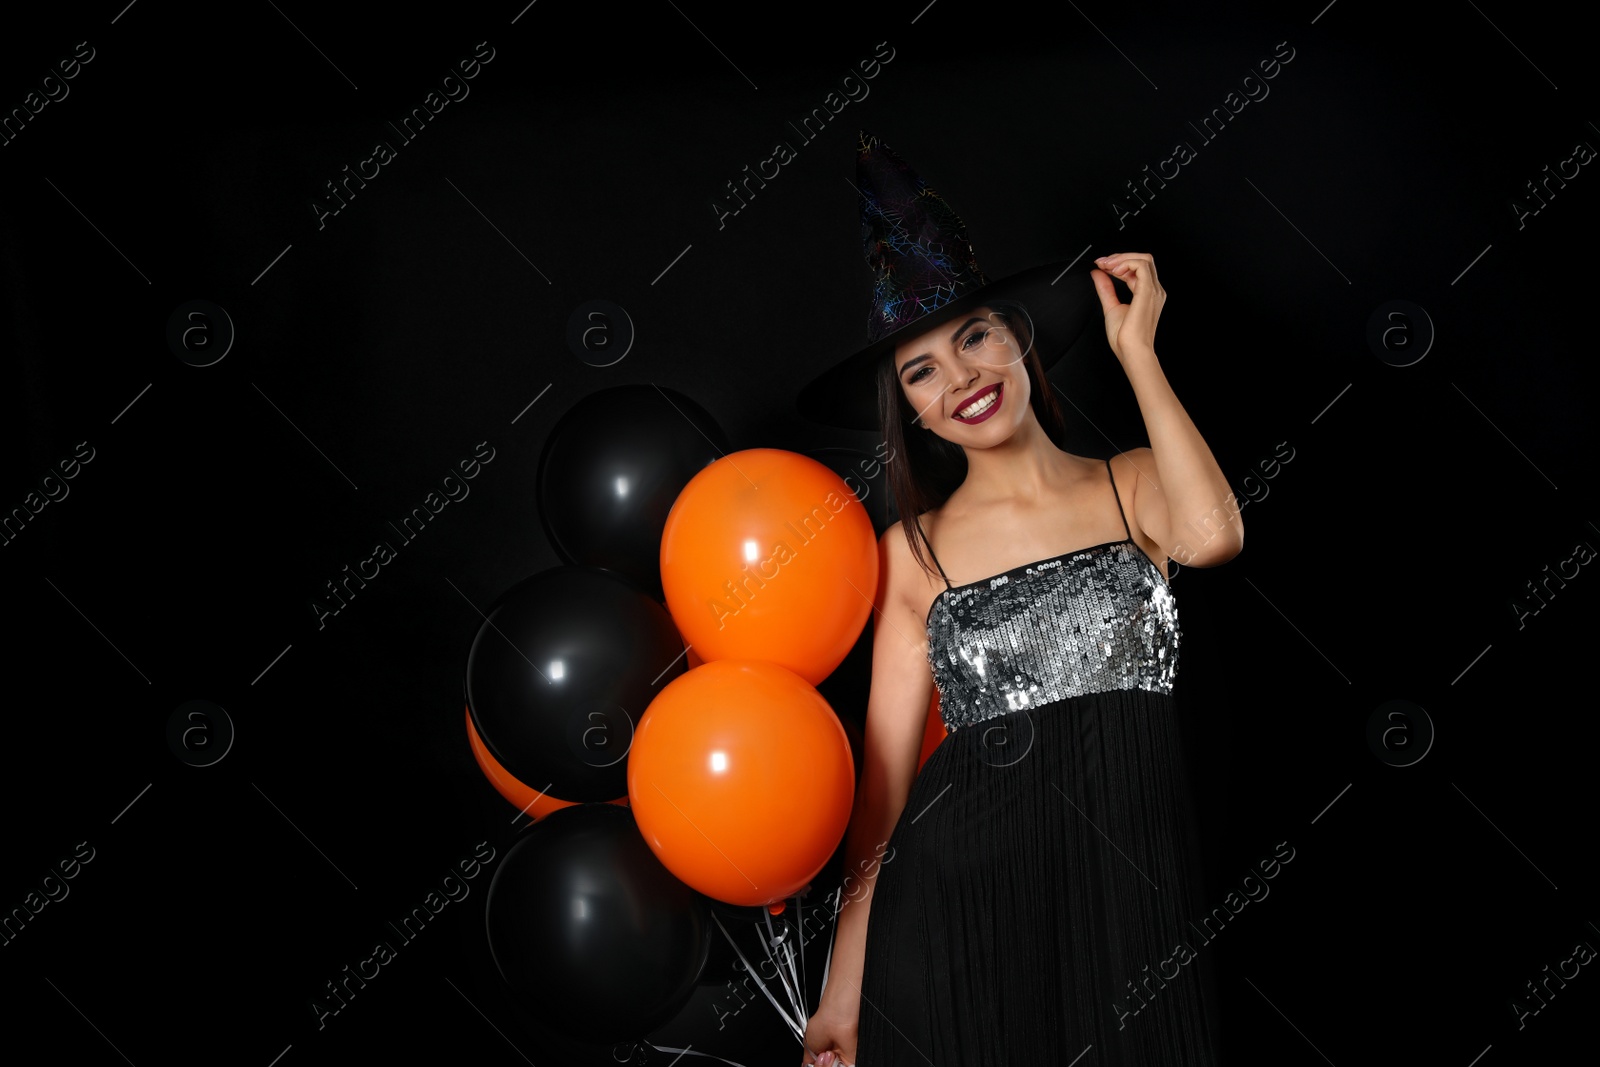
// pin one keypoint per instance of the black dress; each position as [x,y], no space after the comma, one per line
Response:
[1038,898]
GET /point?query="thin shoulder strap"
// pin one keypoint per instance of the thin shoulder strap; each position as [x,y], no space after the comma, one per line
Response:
[1121,512]
[936,563]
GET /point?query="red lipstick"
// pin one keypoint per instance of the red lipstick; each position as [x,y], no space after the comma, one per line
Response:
[999,399]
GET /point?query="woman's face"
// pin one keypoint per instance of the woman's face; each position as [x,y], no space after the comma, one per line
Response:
[973,360]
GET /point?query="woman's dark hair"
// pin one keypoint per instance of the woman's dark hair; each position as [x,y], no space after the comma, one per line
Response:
[924,468]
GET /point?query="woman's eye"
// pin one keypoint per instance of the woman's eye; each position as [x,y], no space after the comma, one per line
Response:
[918,376]
[977,335]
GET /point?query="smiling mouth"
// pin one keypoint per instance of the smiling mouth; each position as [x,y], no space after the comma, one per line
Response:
[986,403]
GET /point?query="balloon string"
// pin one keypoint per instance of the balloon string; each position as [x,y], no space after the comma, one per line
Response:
[801,935]
[789,960]
[780,965]
[799,1031]
[828,959]
[794,976]
[789,949]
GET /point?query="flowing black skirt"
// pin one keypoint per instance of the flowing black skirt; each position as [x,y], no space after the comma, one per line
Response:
[1037,898]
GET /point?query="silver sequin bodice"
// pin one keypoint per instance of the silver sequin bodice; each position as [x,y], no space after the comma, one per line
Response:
[1089,621]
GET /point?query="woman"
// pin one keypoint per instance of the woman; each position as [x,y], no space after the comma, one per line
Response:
[1034,899]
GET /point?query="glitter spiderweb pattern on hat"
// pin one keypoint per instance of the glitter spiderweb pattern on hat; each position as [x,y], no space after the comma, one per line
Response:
[917,245]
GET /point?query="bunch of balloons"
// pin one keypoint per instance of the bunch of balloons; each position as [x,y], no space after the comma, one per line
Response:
[674,754]
[770,566]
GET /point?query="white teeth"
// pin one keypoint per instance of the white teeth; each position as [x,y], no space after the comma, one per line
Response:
[979,408]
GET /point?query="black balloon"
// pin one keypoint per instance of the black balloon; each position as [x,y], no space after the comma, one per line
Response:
[594,935]
[562,669]
[611,469]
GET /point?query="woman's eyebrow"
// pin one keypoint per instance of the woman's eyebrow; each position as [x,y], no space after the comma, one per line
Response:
[963,328]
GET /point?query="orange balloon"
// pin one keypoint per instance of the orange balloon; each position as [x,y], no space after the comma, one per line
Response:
[935,731]
[768,555]
[527,799]
[693,659]
[741,780]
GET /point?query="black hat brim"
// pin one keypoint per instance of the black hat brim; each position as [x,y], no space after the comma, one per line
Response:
[1061,302]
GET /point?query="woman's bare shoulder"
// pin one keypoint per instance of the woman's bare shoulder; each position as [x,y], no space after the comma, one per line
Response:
[906,578]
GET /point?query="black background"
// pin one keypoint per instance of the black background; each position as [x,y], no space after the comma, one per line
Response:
[1381,563]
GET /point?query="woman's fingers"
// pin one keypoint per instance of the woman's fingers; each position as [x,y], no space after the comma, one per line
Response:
[1138,272]
[1133,322]
[1104,289]
[1119,257]
[1128,264]
[1132,267]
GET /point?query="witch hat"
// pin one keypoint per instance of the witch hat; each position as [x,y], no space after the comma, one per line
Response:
[924,271]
